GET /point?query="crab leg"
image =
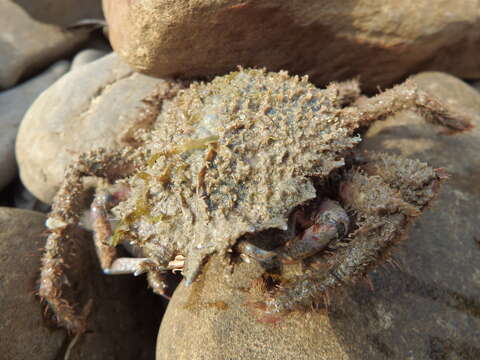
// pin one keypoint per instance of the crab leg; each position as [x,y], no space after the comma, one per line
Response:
[62,224]
[102,229]
[345,93]
[126,265]
[106,197]
[406,96]
[381,221]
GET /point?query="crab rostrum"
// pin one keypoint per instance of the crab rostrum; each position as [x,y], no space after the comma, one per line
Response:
[253,165]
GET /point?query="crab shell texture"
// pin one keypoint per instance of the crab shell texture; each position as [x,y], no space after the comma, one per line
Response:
[229,158]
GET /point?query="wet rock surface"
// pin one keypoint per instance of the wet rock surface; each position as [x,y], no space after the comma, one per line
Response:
[14,103]
[380,41]
[27,45]
[122,307]
[87,108]
[426,307]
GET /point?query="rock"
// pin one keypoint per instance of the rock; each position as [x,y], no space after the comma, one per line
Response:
[125,313]
[123,308]
[27,45]
[476,85]
[22,329]
[62,12]
[14,104]
[7,195]
[87,108]
[427,308]
[202,318]
[87,56]
[24,199]
[380,41]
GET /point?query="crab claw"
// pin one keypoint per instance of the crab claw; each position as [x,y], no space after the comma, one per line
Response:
[330,222]
[249,251]
[135,266]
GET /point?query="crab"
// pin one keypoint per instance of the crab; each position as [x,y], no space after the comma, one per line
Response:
[254,165]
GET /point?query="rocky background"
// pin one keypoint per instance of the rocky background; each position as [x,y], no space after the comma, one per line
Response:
[63,92]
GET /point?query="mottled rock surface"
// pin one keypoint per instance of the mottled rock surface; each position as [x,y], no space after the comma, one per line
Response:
[22,329]
[14,103]
[427,308]
[125,313]
[87,108]
[27,45]
[123,319]
[381,41]
[211,320]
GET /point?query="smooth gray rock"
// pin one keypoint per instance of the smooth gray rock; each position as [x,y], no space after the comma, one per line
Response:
[90,107]
[62,12]
[87,56]
[14,103]
[27,45]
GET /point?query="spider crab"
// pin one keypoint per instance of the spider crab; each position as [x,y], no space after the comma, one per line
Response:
[254,165]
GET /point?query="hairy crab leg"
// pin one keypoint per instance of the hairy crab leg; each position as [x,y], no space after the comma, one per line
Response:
[62,223]
[106,197]
[155,272]
[345,93]
[407,96]
[381,222]
[102,228]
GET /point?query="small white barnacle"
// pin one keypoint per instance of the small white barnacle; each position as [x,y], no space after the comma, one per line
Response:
[53,223]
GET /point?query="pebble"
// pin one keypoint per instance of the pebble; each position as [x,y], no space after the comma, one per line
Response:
[62,12]
[14,103]
[27,45]
[87,56]
[90,107]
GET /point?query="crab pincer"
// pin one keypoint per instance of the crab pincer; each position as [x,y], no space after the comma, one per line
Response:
[328,223]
